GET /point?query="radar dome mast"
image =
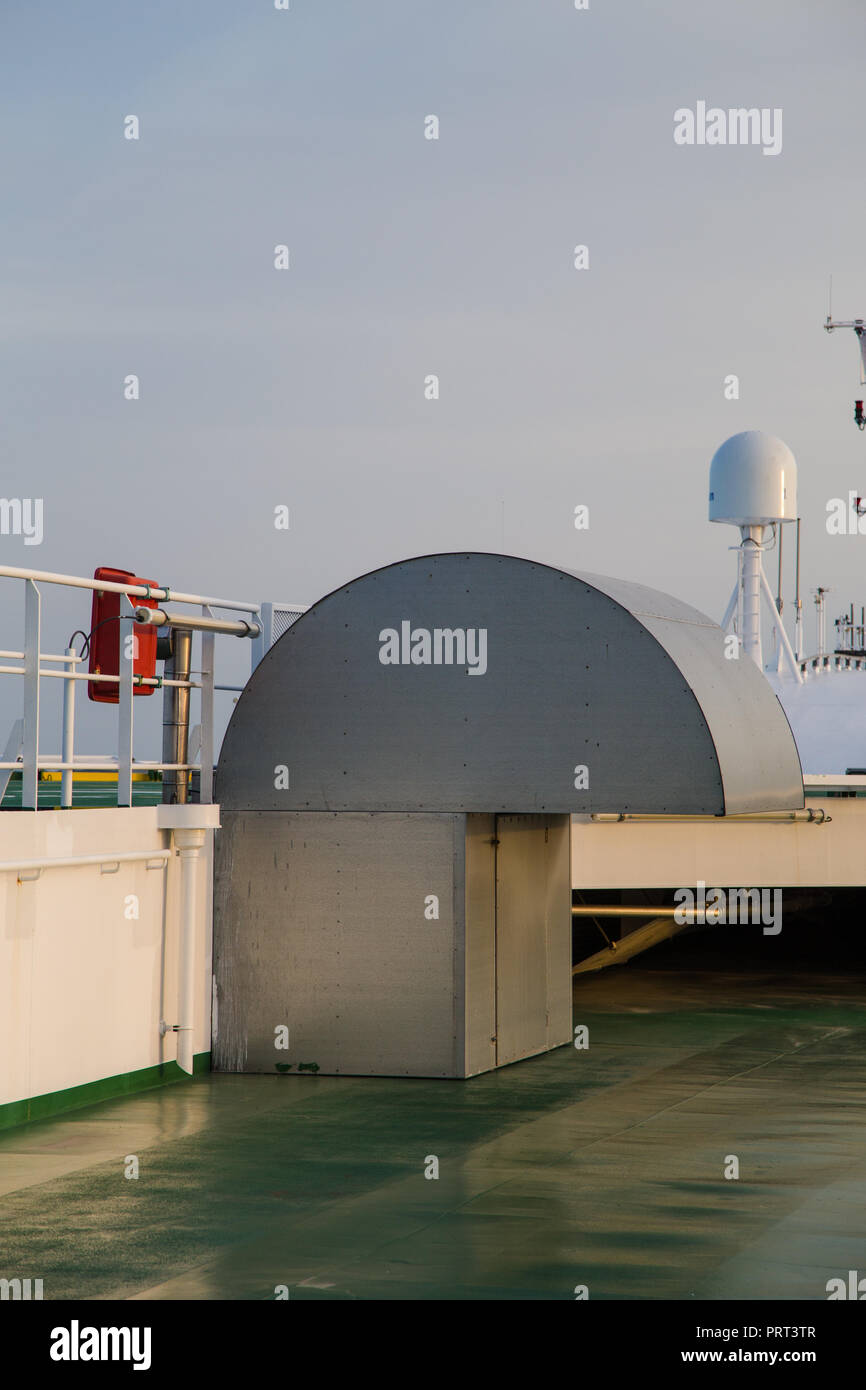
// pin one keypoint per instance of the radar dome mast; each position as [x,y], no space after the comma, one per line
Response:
[753,485]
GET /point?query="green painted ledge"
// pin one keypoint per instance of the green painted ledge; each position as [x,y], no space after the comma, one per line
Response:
[21,1112]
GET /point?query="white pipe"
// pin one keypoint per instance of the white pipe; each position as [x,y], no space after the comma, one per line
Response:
[30,750]
[103,759]
[188,842]
[92,676]
[138,680]
[206,731]
[125,716]
[140,590]
[783,636]
[819,605]
[157,617]
[8,866]
[82,765]
[620,910]
[45,656]
[68,754]
[752,570]
[817,817]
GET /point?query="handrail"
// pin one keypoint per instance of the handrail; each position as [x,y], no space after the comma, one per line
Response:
[22,752]
[44,656]
[140,590]
[29,865]
[102,765]
[831,661]
[155,681]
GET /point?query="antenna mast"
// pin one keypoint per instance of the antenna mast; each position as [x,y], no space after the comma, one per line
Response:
[859,326]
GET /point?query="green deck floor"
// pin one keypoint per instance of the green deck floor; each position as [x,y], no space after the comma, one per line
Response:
[601,1167]
[84,794]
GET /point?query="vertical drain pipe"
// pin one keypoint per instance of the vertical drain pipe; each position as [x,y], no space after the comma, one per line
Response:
[187,840]
[175,718]
[798,624]
[68,751]
[188,843]
[189,826]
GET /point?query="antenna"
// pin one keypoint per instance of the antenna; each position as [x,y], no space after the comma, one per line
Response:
[820,595]
[859,326]
[753,485]
[798,619]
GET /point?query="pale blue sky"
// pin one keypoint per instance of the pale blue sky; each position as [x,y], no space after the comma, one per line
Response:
[410,257]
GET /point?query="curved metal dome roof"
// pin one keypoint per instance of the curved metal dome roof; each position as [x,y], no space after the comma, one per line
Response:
[483,682]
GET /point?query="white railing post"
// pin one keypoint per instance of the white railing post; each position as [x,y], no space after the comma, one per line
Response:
[205,794]
[32,627]
[260,645]
[124,709]
[68,752]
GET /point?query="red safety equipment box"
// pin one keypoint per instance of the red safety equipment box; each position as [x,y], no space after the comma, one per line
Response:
[105,638]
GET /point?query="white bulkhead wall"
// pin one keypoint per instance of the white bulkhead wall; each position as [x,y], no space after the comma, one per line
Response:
[89,957]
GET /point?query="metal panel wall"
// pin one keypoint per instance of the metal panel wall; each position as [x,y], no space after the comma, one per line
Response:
[480,945]
[388,944]
[533,936]
[558,919]
[320,927]
[521,938]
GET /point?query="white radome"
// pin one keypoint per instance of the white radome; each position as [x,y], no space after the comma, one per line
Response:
[753,480]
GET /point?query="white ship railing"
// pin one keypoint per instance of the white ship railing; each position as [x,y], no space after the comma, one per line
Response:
[830,662]
[22,752]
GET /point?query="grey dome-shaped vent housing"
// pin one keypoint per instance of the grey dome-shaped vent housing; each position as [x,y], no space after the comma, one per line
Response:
[477,682]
